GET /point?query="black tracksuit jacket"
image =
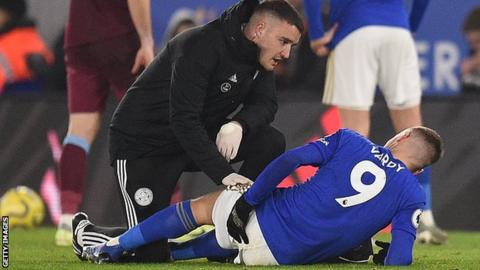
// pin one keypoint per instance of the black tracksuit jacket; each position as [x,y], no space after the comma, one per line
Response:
[183,97]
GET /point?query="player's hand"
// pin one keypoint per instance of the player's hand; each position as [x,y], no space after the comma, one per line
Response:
[228,139]
[319,46]
[234,179]
[144,57]
[238,219]
[379,258]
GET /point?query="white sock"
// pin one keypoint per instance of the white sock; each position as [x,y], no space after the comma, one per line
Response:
[427,218]
[113,242]
[65,221]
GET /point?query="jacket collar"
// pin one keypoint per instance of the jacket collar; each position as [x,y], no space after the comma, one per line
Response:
[231,21]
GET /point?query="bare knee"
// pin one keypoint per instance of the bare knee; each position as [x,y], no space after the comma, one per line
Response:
[84,125]
[202,208]
[406,118]
[358,120]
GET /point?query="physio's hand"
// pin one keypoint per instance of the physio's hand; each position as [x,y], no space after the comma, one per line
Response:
[228,139]
[379,258]
[319,45]
[238,219]
[144,57]
[234,179]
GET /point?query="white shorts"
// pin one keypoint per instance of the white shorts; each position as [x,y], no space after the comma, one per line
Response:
[257,251]
[371,56]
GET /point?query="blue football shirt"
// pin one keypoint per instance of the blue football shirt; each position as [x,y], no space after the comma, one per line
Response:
[358,189]
[354,14]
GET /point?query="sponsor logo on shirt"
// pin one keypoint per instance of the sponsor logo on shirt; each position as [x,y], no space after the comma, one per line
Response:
[233,78]
[324,141]
[225,87]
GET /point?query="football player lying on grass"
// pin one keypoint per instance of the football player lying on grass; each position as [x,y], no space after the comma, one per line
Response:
[359,188]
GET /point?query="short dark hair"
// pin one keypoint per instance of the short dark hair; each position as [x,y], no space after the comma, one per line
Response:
[433,142]
[282,10]
[472,21]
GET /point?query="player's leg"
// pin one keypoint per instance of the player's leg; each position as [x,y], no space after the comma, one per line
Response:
[145,186]
[358,120]
[257,251]
[218,243]
[108,63]
[400,81]
[83,127]
[403,118]
[118,65]
[87,92]
[258,149]
[351,78]
[86,233]
[428,232]
[113,58]
[399,78]
[204,246]
[171,222]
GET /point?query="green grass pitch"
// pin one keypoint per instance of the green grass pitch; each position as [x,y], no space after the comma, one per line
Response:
[35,249]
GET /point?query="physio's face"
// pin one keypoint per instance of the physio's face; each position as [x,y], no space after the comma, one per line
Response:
[275,39]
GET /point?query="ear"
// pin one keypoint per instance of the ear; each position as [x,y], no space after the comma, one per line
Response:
[405,135]
[259,28]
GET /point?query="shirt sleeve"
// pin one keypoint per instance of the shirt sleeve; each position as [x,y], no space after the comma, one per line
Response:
[315,154]
[418,10]
[260,106]
[187,94]
[404,227]
[313,13]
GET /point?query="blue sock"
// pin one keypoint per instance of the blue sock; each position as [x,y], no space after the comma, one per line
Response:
[201,247]
[424,179]
[171,222]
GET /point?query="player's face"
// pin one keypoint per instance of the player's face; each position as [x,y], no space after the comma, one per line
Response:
[276,40]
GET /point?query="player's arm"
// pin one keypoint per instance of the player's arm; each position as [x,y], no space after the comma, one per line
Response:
[260,105]
[404,226]
[313,13]
[319,39]
[418,10]
[315,154]
[140,13]
[190,77]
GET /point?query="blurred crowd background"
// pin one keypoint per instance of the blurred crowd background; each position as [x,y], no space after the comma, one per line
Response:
[34,118]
